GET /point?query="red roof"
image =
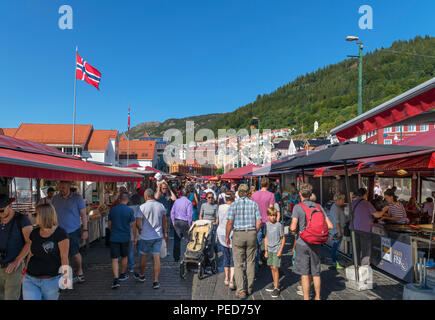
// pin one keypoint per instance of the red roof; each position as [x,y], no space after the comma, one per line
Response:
[54,134]
[144,150]
[100,139]
[238,173]
[25,159]
[9,131]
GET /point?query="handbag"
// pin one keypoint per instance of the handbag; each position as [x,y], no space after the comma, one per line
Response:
[163,250]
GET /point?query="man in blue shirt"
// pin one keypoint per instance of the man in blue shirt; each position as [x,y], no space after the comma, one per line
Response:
[121,220]
[71,214]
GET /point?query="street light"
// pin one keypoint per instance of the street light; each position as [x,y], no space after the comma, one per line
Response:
[361,46]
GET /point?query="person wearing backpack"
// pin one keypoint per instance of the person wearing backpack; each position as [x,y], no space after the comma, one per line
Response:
[15,229]
[310,222]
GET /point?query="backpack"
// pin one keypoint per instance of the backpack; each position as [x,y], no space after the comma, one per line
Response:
[316,230]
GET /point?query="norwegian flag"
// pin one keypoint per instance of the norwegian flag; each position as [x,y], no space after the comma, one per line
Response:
[84,71]
[129,120]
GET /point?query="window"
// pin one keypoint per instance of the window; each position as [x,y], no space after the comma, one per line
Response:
[387,130]
[412,128]
[387,141]
[399,129]
[424,127]
[144,154]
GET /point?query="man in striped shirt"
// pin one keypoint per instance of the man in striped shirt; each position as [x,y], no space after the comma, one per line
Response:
[244,218]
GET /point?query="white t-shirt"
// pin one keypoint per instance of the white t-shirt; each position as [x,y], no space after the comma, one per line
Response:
[152,213]
[221,229]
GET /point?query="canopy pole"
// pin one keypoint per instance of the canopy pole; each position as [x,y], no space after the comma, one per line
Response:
[352,232]
[321,190]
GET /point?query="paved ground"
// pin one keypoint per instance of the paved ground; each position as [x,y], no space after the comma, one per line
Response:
[99,279]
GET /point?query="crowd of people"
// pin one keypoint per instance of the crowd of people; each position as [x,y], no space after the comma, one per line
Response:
[247,227]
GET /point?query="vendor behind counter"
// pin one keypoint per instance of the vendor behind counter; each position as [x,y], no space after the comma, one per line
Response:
[396,211]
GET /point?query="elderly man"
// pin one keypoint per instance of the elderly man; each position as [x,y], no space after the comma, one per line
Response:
[71,215]
[181,217]
[15,229]
[244,219]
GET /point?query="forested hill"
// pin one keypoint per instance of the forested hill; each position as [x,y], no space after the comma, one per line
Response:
[330,94]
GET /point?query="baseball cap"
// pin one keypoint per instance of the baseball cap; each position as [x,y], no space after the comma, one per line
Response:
[5,200]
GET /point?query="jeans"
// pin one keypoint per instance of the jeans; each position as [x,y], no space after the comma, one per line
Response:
[40,289]
[260,237]
[335,245]
[131,255]
[228,261]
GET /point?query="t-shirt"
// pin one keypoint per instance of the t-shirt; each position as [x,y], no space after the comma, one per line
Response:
[363,214]
[121,216]
[209,211]
[16,242]
[428,207]
[264,199]
[398,211]
[221,230]
[68,211]
[300,214]
[338,216]
[167,202]
[45,260]
[152,213]
[274,234]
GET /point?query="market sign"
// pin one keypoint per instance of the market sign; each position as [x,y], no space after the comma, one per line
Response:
[396,259]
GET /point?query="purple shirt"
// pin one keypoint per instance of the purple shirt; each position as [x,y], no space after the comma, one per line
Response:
[182,210]
[264,199]
[363,214]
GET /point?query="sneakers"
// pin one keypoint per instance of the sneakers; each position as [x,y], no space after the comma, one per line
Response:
[138,277]
[156,285]
[275,293]
[123,277]
[270,288]
[115,284]
[338,266]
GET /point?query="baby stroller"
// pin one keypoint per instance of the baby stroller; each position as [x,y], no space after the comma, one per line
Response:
[199,250]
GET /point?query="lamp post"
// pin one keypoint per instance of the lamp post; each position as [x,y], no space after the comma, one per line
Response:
[360,57]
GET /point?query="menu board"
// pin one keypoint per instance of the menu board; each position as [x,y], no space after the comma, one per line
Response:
[386,249]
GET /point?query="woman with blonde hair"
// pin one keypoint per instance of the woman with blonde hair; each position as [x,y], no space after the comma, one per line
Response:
[49,245]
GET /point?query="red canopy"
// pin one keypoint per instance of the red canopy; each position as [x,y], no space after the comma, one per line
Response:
[133,165]
[238,173]
[422,140]
[25,159]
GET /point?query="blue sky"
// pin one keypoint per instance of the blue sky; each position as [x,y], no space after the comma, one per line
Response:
[172,59]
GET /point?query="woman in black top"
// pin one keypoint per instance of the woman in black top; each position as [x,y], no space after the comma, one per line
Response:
[48,252]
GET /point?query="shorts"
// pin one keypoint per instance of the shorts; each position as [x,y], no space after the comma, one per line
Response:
[273,260]
[119,249]
[228,257]
[307,259]
[150,246]
[75,239]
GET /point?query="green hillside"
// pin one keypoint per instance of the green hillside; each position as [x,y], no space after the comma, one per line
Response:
[330,94]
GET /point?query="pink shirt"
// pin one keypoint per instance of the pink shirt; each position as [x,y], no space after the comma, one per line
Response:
[264,199]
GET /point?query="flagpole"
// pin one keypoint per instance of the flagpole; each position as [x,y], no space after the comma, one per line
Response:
[128,136]
[75,95]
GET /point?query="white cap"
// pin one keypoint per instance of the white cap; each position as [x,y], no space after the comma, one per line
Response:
[158,176]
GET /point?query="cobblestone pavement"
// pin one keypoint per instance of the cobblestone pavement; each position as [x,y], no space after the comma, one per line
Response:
[333,284]
[98,274]
[99,277]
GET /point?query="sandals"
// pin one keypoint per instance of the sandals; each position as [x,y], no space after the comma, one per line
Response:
[81,278]
[232,286]
[226,282]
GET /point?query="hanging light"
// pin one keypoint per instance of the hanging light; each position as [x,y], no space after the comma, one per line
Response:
[379,173]
[414,176]
[402,172]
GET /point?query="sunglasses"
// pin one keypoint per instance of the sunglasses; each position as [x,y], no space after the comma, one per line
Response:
[209,197]
[2,210]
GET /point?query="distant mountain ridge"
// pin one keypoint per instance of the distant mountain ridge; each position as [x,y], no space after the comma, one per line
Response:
[328,95]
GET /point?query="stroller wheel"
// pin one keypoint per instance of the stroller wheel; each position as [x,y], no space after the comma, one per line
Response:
[183,271]
[200,271]
[214,268]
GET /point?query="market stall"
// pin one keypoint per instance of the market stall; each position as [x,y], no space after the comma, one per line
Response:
[45,166]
